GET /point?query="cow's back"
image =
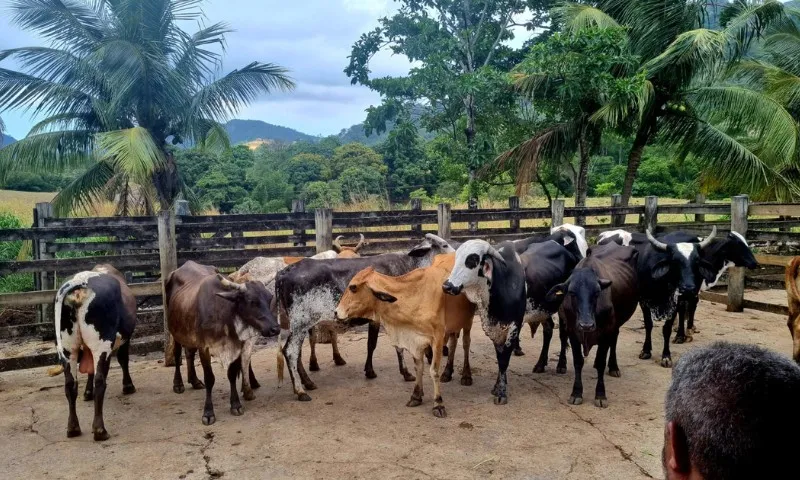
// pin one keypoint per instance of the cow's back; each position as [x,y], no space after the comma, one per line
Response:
[128,320]
[619,264]
[182,296]
[546,264]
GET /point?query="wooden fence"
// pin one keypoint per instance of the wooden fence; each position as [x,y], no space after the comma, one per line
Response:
[144,248]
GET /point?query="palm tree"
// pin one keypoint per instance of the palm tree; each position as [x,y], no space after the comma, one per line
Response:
[681,102]
[118,85]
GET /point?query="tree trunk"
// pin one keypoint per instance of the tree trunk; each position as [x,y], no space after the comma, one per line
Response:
[166,182]
[469,132]
[582,181]
[545,190]
[635,158]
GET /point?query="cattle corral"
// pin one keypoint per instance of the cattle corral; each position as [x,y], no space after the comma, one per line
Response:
[359,428]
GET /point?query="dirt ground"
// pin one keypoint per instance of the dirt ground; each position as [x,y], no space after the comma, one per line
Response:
[358,428]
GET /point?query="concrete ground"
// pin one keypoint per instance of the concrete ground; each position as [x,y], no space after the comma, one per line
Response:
[358,428]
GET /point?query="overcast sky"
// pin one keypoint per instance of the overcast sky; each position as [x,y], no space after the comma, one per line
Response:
[312,38]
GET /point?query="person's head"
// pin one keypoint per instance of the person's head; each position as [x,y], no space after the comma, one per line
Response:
[730,414]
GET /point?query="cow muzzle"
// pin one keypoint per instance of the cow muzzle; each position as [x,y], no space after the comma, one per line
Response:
[587,326]
[272,331]
[451,289]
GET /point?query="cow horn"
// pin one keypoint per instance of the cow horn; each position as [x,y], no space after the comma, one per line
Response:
[655,243]
[496,255]
[360,243]
[231,285]
[710,237]
[337,247]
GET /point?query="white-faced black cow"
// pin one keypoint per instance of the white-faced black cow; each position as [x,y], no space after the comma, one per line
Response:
[95,314]
[308,291]
[220,318]
[597,299]
[494,280]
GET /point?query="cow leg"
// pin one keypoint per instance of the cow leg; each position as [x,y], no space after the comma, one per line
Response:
[123,356]
[208,379]
[452,340]
[191,370]
[690,328]
[101,373]
[613,368]
[680,336]
[247,353]
[291,350]
[500,390]
[402,365]
[438,344]
[177,379]
[518,350]
[312,341]
[71,390]
[88,393]
[337,357]
[466,371]
[304,378]
[548,336]
[647,348]
[234,369]
[577,359]
[666,356]
[562,355]
[372,342]
[253,382]
[419,366]
[600,399]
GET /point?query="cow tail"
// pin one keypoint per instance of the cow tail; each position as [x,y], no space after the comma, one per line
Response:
[792,288]
[279,354]
[280,359]
[62,293]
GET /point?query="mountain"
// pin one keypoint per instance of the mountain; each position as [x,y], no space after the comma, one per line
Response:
[356,132]
[241,131]
[7,140]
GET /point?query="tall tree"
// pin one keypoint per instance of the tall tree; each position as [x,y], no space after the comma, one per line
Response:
[118,84]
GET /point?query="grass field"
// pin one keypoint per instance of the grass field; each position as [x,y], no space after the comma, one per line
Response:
[21,203]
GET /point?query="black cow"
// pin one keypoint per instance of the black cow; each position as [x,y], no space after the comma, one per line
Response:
[308,291]
[99,316]
[598,298]
[547,264]
[494,280]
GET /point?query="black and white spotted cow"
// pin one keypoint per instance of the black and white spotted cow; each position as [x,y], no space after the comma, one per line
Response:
[95,315]
[494,280]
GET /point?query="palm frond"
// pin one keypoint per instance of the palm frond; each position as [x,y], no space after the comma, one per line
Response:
[39,96]
[697,55]
[65,22]
[577,16]
[132,151]
[88,189]
[48,152]
[621,107]
[193,61]
[751,22]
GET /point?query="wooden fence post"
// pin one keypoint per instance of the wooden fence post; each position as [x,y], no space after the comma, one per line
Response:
[323,225]
[168,256]
[651,214]
[699,199]
[739,208]
[443,220]
[416,207]
[45,313]
[513,205]
[557,213]
[299,206]
[473,205]
[617,220]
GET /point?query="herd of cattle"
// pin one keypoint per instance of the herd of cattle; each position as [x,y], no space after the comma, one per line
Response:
[424,299]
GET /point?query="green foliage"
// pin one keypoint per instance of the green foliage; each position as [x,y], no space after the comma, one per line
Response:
[322,195]
[408,165]
[356,155]
[16,282]
[359,183]
[307,167]
[35,182]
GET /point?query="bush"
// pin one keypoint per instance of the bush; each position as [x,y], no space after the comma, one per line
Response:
[322,195]
[16,282]
[605,189]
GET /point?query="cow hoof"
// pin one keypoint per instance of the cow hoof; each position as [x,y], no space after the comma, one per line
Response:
[178,388]
[500,400]
[198,385]
[614,373]
[370,374]
[538,369]
[88,396]
[414,402]
[561,370]
[338,361]
[128,389]
[237,411]
[74,432]
[466,381]
[494,391]
[247,394]
[446,377]
[694,330]
[310,386]
[253,384]
[573,400]
[679,339]
[689,339]
[101,435]
[519,353]
[313,366]
[209,419]
[645,356]
[601,402]
[304,397]
[666,362]
[439,412]
[408,377]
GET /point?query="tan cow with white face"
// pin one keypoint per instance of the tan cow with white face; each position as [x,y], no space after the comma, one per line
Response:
[793,296]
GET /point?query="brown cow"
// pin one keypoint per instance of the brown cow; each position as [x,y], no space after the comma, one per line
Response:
[416,315]
[220,318]
[793,294]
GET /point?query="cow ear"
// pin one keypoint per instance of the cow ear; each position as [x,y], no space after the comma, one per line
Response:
[660,269]
[556,294]
[707,271]
[229,295]
[383,296]
[604,283]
